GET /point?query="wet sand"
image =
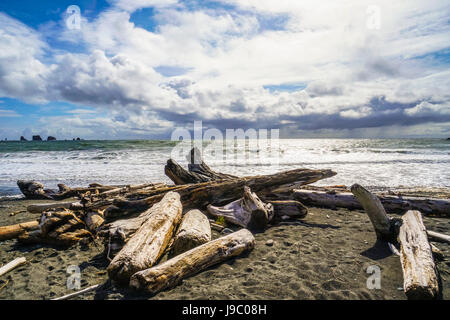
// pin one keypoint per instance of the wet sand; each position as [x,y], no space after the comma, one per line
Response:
[323,256]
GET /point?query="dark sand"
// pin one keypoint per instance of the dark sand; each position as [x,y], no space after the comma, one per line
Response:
[325,256]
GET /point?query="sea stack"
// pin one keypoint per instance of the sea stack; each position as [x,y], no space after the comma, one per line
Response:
[37,138]
[50,138]
[22,138]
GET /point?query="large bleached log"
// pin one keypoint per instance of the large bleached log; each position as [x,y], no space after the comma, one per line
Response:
[248,212]
[221,192]
[11,265]
[392,204]
[39,208]
[384,226]
[147,245]
[171,272]
[194,230]
[13,231]
[438,237]
[420,279]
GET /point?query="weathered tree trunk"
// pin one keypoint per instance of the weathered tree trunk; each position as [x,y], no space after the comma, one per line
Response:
[383,225]
[147,245]
[392,204]
[248,212]
[420,279]
[11,265]
[198,170]
[288,208]
[171,272]
[13,231]
[224,191]
[194,230]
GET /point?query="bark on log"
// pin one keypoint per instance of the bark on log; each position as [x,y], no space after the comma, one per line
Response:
[194,230]
[392,204]
[224,191]
[438,237]
[171,272]
[39,208]
[248,212]
[11,265]
[385,227]
[148,244]
[288,208]
[13,231]
[420,279]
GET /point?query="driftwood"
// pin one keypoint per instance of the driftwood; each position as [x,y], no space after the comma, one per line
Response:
[78,293]
[420,279]
[147,245]
[198,172]
[13,231]
[61,228]
[220,192]
[248,212]
[171,272]
[35,190]
[194,230]
[93,221]
[385,227]
[438,237]
[11,265]
[392,204]
[39,208]
[288,208]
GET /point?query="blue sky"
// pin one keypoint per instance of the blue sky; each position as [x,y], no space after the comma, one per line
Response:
[141,68]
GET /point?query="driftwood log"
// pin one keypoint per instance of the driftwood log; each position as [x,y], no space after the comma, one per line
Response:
[198,172]
[62,228]
[420,279]
[392,204]
[385,227]
[13,231]
[220,192]
[149,242]
[171,272]
[11,265]
[39,208]
[248,212]
[194,230]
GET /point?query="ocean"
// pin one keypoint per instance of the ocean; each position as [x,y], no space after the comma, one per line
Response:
[381,163]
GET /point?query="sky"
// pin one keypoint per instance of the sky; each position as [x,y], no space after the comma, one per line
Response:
[139,69]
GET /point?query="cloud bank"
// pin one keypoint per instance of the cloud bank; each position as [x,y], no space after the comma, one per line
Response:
[308,68]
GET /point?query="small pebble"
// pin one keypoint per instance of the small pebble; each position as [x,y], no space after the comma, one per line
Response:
[269,243]
[226,231]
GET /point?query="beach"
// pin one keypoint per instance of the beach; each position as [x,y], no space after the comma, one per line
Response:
[322,256]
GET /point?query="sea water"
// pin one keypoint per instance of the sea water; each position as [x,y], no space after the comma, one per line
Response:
[383,163]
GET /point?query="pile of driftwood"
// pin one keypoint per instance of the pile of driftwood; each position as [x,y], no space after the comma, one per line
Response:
[140,224]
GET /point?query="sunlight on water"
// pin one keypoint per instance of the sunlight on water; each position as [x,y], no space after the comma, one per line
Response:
[381,163]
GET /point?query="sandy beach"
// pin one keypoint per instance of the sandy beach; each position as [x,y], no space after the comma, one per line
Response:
[323,256]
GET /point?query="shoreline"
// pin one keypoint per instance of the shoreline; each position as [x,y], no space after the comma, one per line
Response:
[323,256]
